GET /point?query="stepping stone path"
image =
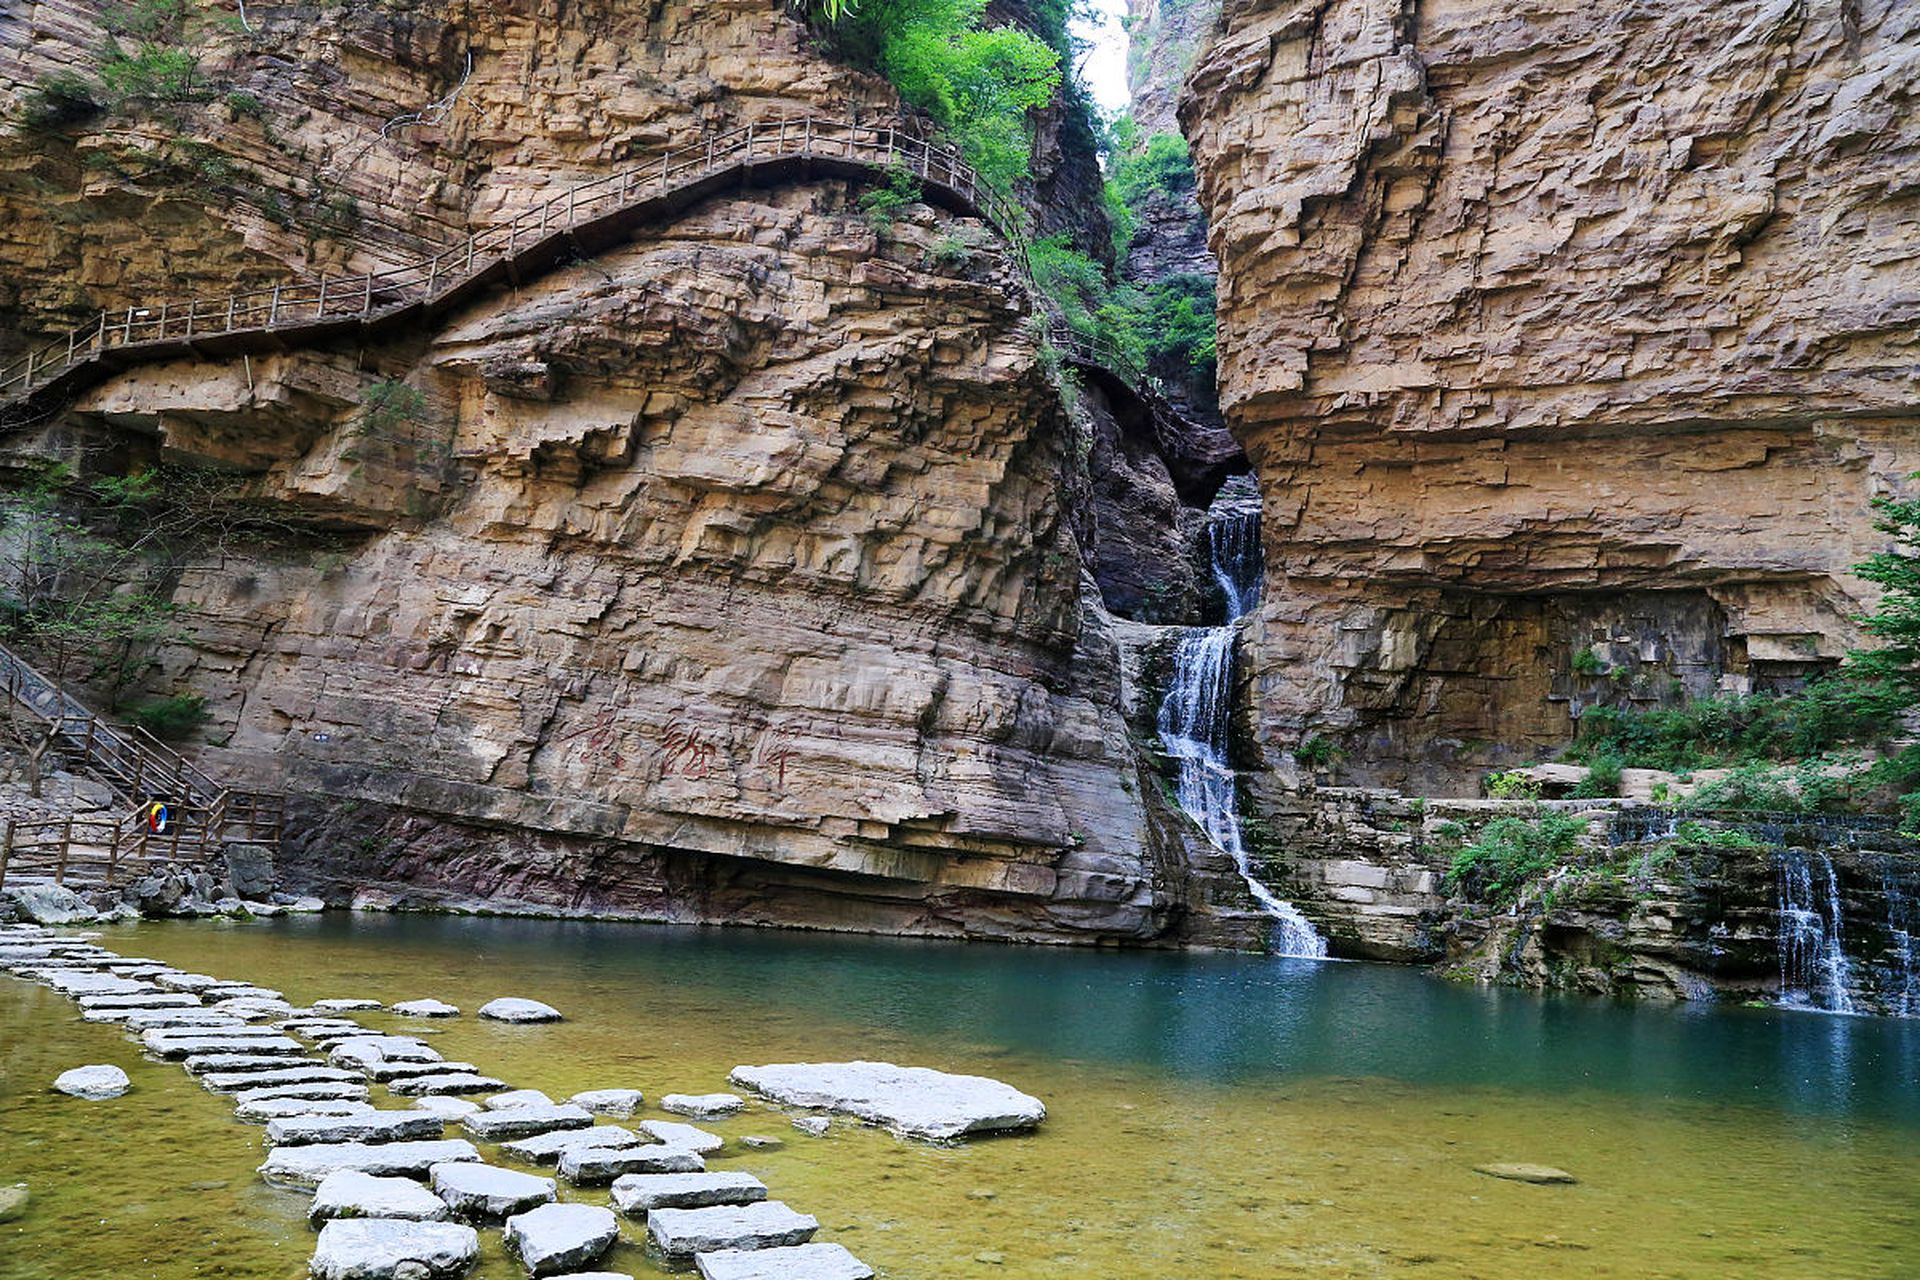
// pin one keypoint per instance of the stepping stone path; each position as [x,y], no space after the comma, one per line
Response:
[352,1194]
[681,1233]
[366,1165]
[95,1084]
[390,1249]
[514,1009]
[702,1106]
[482,1191]
[556,1238]
[426,1009]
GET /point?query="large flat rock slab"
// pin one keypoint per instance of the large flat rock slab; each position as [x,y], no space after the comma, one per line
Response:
[341,1092]
[687,1137]
[618,1103]
[169,1044]
[795,1262]
[596,1166]
[635,1194]
[520,1122]
[481,1191]
[681,1233]
[362,1051]
[306,1166]
[349,1193]
[545,1148]
[389,1249]
[702,1106]
[388,1071]
[557,1238]
[261,1110]
[917,1102]
[444,1082]
[237,1081]
[377,1126]
[200,1064]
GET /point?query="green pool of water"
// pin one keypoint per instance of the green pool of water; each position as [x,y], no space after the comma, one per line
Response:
[1212,1116]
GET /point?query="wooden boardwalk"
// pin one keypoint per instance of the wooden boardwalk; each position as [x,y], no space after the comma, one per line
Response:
[585,220]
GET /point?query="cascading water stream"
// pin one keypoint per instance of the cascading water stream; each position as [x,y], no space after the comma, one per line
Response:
[1814,970]
[1194,715]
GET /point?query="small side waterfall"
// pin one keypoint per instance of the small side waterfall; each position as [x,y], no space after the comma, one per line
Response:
[1814,970]
[1199,702]
[1902,984]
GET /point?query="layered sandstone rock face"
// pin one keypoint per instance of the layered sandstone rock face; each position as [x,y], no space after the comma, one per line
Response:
[727,575]
[1551,328]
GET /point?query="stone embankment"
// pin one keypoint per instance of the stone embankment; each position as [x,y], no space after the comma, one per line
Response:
[394,1198]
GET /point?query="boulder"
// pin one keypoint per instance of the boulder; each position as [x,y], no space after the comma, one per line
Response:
[619,1103]
[94,1083]
[306,1166]
[249,870]
[366,1126]
[681,1233]
[596,1166]
[519,1122]
[545,1148]
[484,1192]
[913,1101]
[702,1106]
[1539,1174]
[48,904]
[514,1009]
[634,1194]
[349,1193]
[556,1238]
[426,1009]
[392,1249]
[14,1201]
[687,1137]
[518,1098]
[795,1262]
[263,1109]
[444,1082]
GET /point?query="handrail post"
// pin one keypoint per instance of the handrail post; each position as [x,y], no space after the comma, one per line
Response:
[366,295]
[470,253]
[66,846]
[192,308]
[29,378]
[6,851]
[570,195]
[231,300]
[273,307]
[320,307]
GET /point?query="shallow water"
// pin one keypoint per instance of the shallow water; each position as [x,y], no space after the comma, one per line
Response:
[1212,1116]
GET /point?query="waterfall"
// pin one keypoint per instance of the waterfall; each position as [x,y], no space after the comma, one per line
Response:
[1902,986]
[1199,703]
[1814,970]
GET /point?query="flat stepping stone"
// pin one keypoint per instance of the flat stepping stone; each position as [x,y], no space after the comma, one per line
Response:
[169,1045]
[142,1000]
[913,1101]
[192,982]
[253,1010]
[88,983]
[325,1089]
[389,1249]
[634,1194]
[93,1083]
[148,1019]
[795,1262]
[518,1098]
[519,1122]
[263,1109]
[451,1082]
[319,1029]
[619,1103]
[241,991]
[484,1192]
[363,1051]
[447,1108]
[687,1137]
[306,1166]
[514,1009]
[426,1009]
[376,1126]
[352,1194]
[681,1233]
[1538,1174]
[384,1071]
[702,1106]
[545,1148]
[240,1081]
[201,1064]
[596,1166]
[557,1238]
[339,1005]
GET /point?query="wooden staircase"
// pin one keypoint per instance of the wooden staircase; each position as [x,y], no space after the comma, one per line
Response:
[585,220]
[99,852]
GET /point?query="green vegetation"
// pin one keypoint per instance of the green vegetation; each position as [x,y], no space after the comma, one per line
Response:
[1587,663]
[1316,752]
[175,717]
[1510,852]
[1735,730]
[1603,777]
[390,404]
[1163,167]
[882,205]
[1512,786]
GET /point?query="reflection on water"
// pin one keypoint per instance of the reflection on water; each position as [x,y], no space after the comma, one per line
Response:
[1210,1116]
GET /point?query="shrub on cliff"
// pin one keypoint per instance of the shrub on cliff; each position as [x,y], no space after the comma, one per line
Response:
[1511,852]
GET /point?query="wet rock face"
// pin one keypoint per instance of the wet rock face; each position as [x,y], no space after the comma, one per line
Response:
[1523,302]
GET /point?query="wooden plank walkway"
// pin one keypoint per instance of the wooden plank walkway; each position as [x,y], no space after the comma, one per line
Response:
[584,220]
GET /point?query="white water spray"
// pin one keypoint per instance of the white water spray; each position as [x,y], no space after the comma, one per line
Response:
[1814,970]
[1199,703]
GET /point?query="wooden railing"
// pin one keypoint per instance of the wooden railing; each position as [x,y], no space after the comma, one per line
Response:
[157,329]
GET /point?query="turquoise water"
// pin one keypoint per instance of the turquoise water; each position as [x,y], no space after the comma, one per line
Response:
[1211,1115]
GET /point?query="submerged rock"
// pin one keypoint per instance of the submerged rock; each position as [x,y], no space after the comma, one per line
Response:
[702,1106]
[636,1193]
[514,1009]
[680,1233]
[482,1191]
[1540,1174]
[94,1083]
[560,1237]
[915,1101]
[795,1262]
[388,1249]
[619,1103]
[426,1009]
[349,1193]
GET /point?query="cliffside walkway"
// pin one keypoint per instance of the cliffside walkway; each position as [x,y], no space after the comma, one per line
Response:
[584,220]
[100,851]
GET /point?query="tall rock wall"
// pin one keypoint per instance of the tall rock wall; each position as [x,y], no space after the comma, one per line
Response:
[1552,327]
[725,575]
